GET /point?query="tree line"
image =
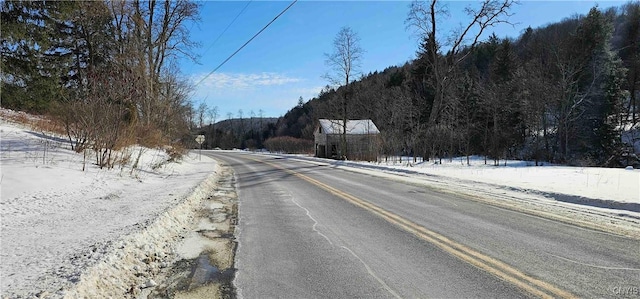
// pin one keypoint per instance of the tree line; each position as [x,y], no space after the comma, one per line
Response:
[563,93]
[105,70]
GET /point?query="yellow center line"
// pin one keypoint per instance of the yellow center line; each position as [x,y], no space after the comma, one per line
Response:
[497,268]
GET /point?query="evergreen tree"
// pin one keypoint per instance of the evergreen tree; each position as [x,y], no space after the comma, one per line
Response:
[629,51]
[598,85]
[32,66]
[608,123]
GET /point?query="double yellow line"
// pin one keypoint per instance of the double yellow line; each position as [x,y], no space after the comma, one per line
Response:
[497,268]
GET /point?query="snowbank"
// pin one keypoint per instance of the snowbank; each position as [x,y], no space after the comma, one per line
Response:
[137,257]
[64,228]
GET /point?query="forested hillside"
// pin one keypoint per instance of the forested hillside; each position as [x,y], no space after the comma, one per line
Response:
[564,93]
[238,133]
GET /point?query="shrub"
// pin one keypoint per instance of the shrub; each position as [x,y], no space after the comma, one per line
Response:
[289,145]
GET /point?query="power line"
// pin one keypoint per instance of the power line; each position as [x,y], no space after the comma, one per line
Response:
[245,44]
[225,30]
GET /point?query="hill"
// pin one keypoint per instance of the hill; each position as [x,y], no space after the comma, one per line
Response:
[238,133]
[245,125]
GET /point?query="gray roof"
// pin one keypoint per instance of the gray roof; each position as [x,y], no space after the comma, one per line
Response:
[356,126]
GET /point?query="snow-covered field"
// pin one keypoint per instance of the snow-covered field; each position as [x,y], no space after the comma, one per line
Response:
[606,184]
[58,222]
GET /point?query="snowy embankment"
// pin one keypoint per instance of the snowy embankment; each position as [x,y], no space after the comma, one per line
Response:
[93,233]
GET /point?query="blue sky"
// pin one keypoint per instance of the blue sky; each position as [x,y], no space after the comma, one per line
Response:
[287,60]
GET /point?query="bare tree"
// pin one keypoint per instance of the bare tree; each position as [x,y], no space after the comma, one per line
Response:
[149,35]
[157,31]
[202,111]
[241,128]
[251,122]
[261,122]
[344,61]
[172,107]
[213,115]
[424,18]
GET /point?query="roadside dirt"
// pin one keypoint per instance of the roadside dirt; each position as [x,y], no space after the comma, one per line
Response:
[204,265]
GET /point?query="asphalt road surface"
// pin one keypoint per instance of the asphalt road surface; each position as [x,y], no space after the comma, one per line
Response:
[307,230]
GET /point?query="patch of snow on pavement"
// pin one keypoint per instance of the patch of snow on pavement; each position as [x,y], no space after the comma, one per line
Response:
[57,221]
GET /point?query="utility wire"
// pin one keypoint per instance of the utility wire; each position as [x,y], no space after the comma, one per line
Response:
[245,44]
[225,30]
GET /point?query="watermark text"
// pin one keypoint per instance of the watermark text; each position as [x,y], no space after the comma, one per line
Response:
[627,290]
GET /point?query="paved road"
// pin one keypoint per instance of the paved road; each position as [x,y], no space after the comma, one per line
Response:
[312,231]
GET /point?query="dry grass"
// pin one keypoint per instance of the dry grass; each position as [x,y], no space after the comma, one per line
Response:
[40,123]
[150,137]
[47,124]
[15,117]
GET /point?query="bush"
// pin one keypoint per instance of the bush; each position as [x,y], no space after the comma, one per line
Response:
[289,145]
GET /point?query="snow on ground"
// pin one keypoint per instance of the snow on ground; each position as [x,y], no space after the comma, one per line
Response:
[601,184]
[609,184]
[58,221]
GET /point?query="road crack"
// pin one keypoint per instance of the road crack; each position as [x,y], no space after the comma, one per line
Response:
[315,222]
[366,266]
